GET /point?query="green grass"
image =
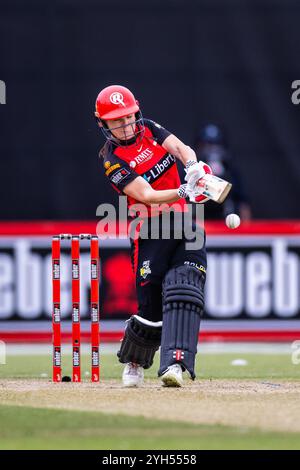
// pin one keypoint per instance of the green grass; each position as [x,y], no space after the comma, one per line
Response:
[23,427]
[30,428]
[262,366]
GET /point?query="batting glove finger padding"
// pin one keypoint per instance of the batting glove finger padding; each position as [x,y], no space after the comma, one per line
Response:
[194,171]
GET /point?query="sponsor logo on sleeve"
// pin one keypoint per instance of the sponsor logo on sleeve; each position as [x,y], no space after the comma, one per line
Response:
[120,176]
[112,168]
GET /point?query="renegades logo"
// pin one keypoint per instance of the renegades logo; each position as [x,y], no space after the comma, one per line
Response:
[117,98]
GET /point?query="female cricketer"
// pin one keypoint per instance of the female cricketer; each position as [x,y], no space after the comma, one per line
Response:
[139,159]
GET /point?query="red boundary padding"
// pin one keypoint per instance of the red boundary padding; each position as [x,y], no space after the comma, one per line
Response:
[35,337]
[49,228]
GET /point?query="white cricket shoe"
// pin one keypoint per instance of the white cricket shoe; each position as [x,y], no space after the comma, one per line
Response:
[133,375]
[173,376]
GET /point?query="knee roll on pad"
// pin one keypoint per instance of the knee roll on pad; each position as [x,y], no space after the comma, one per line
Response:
[140,342]
[183,303]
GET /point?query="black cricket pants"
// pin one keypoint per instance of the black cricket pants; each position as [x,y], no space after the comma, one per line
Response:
[153,258]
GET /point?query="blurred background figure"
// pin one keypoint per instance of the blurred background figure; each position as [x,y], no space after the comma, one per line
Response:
[211,146]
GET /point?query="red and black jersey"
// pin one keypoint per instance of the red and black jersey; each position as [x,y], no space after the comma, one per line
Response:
[122,164]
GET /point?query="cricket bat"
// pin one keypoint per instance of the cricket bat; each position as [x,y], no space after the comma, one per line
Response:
[213,187]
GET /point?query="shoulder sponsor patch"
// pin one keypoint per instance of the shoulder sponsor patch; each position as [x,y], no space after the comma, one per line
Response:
[112,168]
[119,176]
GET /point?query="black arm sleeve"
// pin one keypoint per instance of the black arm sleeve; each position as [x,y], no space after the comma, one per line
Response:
[159,133]
[119,173]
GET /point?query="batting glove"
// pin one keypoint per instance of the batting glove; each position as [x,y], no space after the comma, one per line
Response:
[182,191]
[194,171]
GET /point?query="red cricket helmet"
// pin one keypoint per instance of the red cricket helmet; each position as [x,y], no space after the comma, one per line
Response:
[114,102]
